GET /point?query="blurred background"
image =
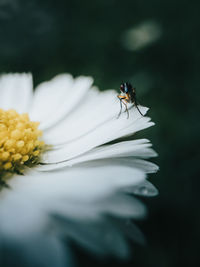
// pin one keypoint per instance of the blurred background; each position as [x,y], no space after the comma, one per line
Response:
[154,45]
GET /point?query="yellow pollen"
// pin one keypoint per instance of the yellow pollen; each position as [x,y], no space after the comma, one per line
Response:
[20,143]
[7,166]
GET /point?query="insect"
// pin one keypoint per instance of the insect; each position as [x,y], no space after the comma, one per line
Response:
[128,95]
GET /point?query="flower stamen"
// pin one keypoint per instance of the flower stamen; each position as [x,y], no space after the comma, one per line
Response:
[20,143]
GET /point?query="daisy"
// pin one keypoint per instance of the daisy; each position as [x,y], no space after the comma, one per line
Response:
[61,178]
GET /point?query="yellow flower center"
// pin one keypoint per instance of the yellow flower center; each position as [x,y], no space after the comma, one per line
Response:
[20,143]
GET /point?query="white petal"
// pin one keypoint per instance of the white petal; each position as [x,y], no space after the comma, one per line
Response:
[23,229]
[146,166]
[16,91]
[49,107]
[107,132]
[101,237]
[122,205]
[135,148]
[89,181]
[94,109]
[145,189]
[131,231]
[82,200]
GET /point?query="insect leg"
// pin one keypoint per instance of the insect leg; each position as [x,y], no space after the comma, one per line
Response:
[136,105]
[125,104]
[120,107]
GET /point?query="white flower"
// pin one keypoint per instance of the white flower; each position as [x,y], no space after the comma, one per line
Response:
[83,188]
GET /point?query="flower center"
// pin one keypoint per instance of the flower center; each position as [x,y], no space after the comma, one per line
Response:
[20,143]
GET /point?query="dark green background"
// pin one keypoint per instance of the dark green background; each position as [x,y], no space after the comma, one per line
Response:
[48,37]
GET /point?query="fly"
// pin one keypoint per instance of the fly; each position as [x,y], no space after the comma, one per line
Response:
[128,95]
